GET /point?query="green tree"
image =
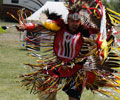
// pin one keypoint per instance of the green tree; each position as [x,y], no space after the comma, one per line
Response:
[113,4]
[0,6]
[117,6]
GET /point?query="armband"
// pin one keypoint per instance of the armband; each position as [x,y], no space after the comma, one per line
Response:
[30,26]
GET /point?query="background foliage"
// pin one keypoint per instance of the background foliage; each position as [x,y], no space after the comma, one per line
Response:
[0,7]
[113,4]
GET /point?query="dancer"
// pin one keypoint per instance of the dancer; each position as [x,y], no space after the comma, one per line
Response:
[69,34]
[78,55]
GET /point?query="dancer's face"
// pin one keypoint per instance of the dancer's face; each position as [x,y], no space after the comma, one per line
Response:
[73,25]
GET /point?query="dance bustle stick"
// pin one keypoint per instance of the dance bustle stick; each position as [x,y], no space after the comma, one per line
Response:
[6,27]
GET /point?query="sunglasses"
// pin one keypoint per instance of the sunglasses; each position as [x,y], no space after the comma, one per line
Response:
[74,16]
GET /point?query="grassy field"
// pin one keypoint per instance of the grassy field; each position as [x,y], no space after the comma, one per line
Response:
[12,57]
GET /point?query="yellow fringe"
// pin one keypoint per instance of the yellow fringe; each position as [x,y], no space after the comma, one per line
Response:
[109,94]
[112,17]
[113,11]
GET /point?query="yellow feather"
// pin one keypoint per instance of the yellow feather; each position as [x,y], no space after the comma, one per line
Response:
[51,26]
[109,94]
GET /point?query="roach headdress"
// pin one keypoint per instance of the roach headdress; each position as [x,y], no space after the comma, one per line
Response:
[90,11]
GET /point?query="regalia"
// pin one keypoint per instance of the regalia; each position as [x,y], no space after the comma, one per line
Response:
[89,61]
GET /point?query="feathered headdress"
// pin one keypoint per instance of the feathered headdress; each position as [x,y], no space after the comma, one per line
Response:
[90,11]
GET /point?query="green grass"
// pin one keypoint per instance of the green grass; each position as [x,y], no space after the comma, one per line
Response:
[12,57]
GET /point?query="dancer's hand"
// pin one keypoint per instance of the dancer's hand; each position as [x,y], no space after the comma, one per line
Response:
[21,27]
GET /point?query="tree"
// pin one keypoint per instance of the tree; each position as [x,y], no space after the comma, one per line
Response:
[112,4]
